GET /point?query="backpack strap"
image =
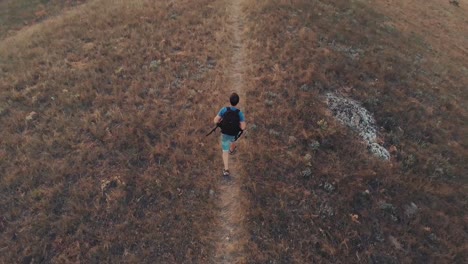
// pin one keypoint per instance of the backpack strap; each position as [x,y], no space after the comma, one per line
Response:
[228,108]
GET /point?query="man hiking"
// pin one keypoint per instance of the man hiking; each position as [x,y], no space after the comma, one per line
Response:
[232,122]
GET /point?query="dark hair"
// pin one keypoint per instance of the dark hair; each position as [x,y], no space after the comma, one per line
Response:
[234,99]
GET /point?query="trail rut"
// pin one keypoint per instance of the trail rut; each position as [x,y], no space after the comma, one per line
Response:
[231,235]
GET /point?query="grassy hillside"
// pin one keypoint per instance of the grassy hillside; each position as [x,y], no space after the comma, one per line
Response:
[103,113]
[18,14]
[317,195]
[104,108]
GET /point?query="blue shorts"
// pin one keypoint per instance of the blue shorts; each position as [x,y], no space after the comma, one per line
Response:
[226,141]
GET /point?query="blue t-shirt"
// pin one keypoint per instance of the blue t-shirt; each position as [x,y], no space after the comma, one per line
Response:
[224,110]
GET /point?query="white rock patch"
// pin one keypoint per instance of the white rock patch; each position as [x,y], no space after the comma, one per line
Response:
[379,151]
[356,117]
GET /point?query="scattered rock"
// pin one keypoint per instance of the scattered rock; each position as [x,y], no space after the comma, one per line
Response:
[438,172]
[328,187]
[388,207]
[119,70]
[390,210]
[269,102]
[154,65]
[411,210]
[271,94]
[305,88]
[395,242]
[325,210]
[192,93]
[306,173]
[212,192]
[292,140]
[379,151]
[274,132]
[315,145]
[31,116]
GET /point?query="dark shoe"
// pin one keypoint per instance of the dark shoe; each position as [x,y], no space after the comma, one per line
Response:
[226,175]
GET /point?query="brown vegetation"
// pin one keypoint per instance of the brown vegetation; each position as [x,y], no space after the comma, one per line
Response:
[104,109]
[316,194]
[102,151]
[18,14]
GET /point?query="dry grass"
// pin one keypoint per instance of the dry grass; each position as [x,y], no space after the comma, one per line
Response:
[103,116]
[19,14]
[342,205]
[104,109]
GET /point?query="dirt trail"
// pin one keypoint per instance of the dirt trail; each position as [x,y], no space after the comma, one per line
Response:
[231,234]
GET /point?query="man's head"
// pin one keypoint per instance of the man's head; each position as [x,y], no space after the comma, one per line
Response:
[234,99]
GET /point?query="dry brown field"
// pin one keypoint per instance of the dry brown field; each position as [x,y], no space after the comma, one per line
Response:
[104,107]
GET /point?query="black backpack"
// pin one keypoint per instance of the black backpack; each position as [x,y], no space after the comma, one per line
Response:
[230,125]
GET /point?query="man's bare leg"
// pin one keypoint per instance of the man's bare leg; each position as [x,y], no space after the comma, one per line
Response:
[226,160]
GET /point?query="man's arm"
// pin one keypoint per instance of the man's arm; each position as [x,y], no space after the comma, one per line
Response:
[217,119]
[242,125]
